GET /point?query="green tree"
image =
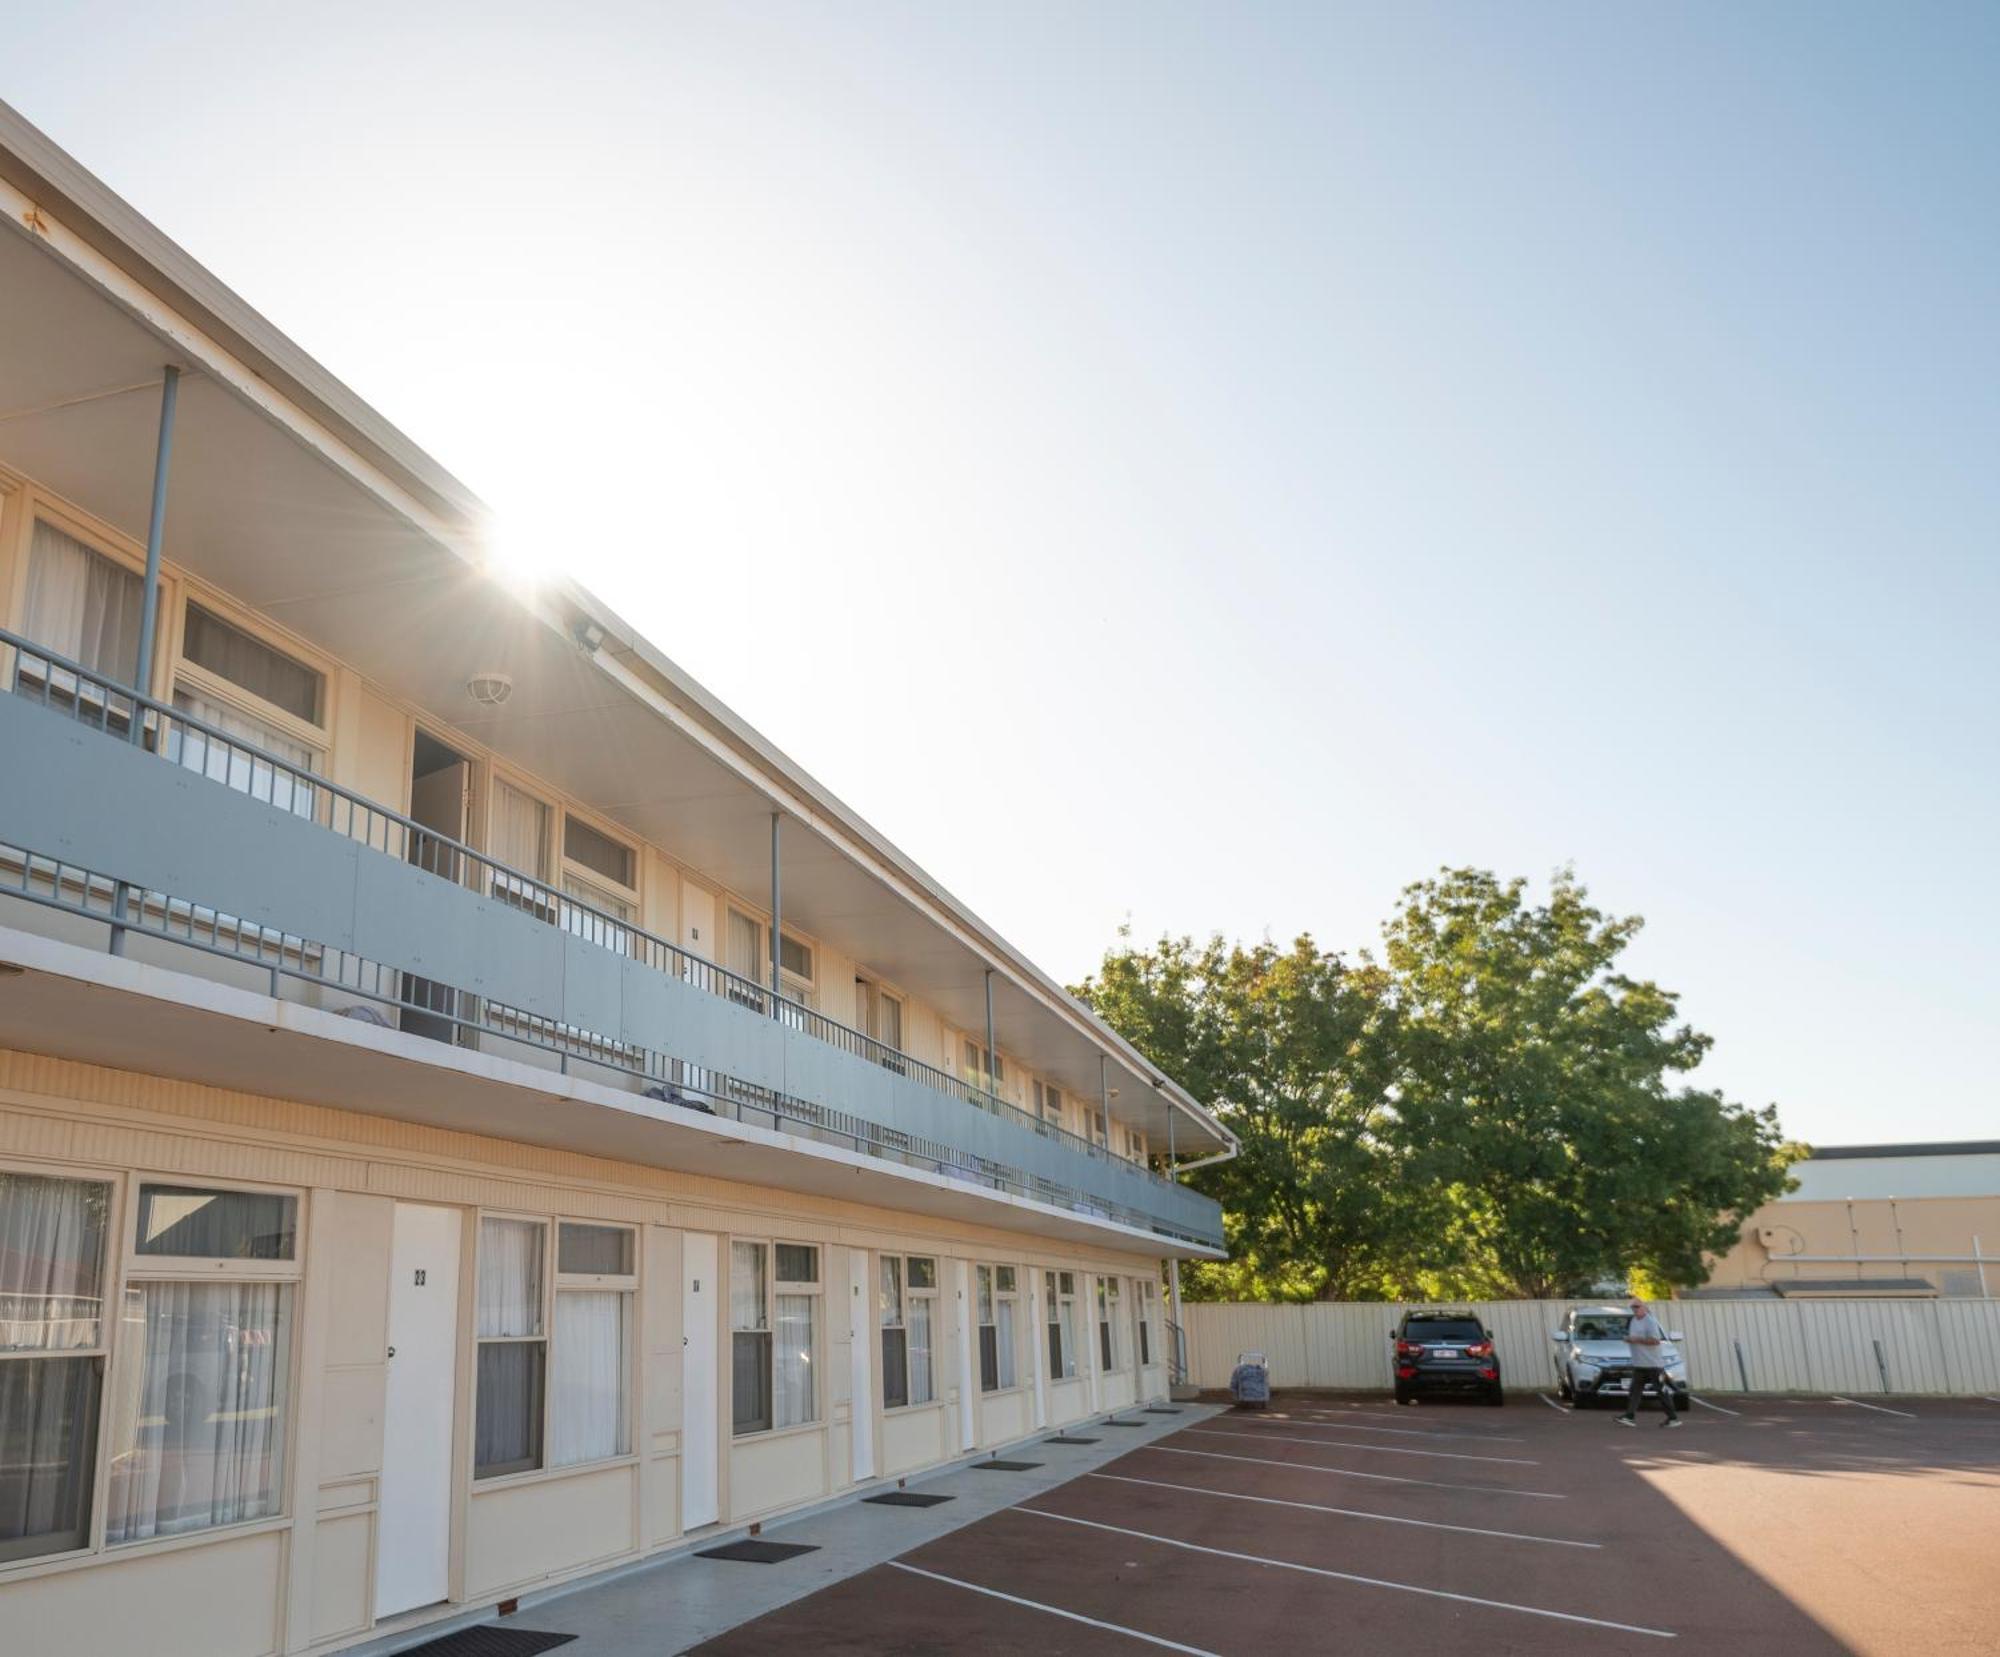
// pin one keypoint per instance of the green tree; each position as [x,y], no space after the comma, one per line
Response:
[1291,1047]
[1536,1094]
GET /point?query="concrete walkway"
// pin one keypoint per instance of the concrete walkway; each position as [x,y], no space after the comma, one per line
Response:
[668,1605]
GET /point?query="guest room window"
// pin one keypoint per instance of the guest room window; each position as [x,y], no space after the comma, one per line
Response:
[198,1421]
[906,1300]
[998,1306]
[774,1313]
[512,1362]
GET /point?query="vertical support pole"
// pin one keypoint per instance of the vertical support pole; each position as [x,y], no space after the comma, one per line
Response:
[777,912]
[1979,1261]
[1104,1094]
[991,1062]
[1180,1330]
[1173,1172]
[156,525]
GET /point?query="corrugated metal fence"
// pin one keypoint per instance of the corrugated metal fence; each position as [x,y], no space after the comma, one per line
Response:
[1831,1346]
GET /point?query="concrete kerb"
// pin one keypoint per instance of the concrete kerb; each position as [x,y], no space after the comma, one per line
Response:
[757,1591]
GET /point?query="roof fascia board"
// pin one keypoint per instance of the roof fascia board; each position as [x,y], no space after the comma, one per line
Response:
[56,183]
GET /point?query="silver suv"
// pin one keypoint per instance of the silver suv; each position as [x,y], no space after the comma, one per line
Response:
[1592,1360]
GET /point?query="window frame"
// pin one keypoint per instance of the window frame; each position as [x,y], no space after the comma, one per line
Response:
[554,1282]
[136,1270]
[600,891]
[822,1405]
[1006,1306]
[318,738]
[1059,1319]
[22,501]
[907,1293]
[1110,1307]
[625,1284]
[106,1351]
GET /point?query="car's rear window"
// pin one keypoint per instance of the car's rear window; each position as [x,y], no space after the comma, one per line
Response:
[1442,1329]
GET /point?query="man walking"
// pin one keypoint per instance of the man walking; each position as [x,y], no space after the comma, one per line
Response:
[1644,1337]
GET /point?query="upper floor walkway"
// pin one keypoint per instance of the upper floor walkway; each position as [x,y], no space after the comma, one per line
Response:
[144,821]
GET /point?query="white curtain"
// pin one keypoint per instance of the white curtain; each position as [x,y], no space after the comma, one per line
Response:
[235,766]
[51,1288]
[922,1390]
[51,1263]
[745,957]
[796,1395]
[1003,1331]
[82,605]
[520,831]
[587,1418]
[510,1277]
[197,1428]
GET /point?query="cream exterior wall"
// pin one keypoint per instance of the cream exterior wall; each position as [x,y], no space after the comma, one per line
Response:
[304,1582]
[1902,1230]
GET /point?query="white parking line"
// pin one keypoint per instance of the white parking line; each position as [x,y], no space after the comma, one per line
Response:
[1353,1472]
[1719,1410]
[1347,1512]
[1560,1409]
[1052,1610]
[1349,1576]
[1879,1409]
[1378,1449]
[1393,1432]
[1386,1415]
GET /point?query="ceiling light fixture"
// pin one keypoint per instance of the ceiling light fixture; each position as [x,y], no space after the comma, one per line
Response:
[489,690]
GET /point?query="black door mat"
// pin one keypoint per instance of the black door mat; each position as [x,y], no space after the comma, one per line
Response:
[1160,1409]
[490,1640]
[1121,1423]
[758,1553]
[904,1498]
[1066,1438]
[997,1466]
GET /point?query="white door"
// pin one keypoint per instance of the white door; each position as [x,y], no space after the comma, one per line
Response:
[413,1548]
[968,1392]
[861,1360]
[699,1498]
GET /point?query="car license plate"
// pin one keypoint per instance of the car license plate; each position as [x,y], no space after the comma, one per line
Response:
[1446,1352]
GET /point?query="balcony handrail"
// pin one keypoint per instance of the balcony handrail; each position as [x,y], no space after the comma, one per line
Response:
[56,882]
[438,853]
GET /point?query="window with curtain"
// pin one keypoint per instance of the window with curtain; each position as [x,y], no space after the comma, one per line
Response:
[1148,1310]
[252,666]
[749,1338]
[245,764]
[197,1422]
[997,1303]
[742,948]
[52,1353]
[511,1366]
[798,1330]
[774,1313]
[1060,1291]
[906,1301]
[518,835]
[1110,1331]
[589,1410]
[82,605]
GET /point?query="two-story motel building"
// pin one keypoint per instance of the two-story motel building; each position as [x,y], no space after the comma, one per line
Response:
[472,1114]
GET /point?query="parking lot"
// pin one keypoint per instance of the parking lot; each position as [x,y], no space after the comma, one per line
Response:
[1332,1522]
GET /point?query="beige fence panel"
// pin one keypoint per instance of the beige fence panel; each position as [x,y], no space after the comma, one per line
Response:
[1823,1346]
[1970,1337]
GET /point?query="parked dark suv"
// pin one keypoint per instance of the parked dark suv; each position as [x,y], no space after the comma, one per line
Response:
[1442,1351]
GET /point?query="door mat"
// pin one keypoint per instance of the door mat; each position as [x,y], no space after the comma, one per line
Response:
[1121,1423]
[1067,1438]
[1160,1409]
[751,1552]
[491,1640]
[1003,1466]
[903,1498]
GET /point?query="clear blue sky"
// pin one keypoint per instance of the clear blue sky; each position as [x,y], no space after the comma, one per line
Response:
[1216,464]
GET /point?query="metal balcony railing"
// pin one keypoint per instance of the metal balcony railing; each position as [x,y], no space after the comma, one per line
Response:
[176,737]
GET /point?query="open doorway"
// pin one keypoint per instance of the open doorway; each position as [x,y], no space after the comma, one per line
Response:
[441,807]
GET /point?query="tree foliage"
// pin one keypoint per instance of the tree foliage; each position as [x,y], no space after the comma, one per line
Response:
[1493,1108]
